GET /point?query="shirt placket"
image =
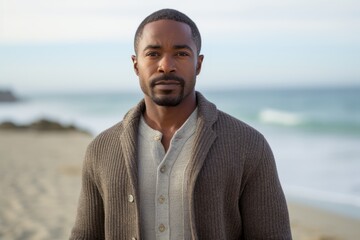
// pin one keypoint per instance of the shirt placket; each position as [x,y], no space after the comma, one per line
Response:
[163,186]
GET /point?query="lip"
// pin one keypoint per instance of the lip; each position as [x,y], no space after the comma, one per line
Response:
[167,85]
[167,82]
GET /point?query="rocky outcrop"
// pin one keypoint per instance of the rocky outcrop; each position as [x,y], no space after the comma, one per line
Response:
[40,125]
[7,96]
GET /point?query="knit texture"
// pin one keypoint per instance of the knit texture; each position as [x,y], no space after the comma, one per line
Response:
[233,187]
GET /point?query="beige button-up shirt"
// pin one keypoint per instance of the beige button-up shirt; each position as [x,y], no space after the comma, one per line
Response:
[163,209]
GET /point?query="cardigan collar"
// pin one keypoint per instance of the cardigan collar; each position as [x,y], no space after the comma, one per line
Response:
[207,111]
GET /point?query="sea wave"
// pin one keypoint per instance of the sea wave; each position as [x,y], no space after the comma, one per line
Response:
[275,116]
[309,122]
[26,112]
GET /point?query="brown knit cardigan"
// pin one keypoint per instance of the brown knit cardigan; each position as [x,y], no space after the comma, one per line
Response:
[233,187]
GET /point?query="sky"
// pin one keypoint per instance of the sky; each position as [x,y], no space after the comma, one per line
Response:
[85,45]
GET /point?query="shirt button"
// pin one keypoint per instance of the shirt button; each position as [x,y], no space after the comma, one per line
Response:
[157,138]
[161,199]
[163,169]
[131,198]
[161,228]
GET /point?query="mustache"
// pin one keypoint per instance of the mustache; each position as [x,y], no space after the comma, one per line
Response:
[166,77]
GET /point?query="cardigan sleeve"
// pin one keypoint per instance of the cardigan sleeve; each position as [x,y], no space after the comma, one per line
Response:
[89,223]
[262,204]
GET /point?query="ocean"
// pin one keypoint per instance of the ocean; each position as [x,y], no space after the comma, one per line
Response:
[314,133]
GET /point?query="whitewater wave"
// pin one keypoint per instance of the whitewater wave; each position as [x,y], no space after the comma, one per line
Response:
[280,117]
[29,111]
[309,122]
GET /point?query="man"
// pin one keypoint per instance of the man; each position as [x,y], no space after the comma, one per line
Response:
[176,167]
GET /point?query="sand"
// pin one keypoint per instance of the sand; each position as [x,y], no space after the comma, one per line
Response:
[40,183]
[309,223]
[40,175]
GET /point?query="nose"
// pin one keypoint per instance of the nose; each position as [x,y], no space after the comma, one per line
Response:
[166,64]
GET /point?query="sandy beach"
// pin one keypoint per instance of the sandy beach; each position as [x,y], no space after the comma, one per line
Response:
[40,184]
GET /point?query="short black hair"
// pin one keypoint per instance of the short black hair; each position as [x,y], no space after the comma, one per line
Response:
[169,14]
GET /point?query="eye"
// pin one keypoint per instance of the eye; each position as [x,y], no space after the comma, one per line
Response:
[152,54]
[182,54]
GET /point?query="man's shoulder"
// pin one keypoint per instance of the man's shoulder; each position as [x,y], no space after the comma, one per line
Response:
[224,123]
[108,136]
[112,131]
[231,123]
[113,135]
[247,140]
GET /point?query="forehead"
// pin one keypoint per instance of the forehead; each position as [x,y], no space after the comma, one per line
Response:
[164,32]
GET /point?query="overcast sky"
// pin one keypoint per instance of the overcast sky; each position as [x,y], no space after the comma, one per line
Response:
[73,45]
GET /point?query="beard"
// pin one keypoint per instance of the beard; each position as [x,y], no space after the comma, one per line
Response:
[167,98]
[168,101]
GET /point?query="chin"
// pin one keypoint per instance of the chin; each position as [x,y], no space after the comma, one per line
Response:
[167,101]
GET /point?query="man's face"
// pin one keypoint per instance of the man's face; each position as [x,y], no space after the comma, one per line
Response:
[167,62]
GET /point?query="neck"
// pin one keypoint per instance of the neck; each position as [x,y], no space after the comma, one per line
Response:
[163,117]
[168,120]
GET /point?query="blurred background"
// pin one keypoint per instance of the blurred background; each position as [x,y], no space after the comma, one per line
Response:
[288,68]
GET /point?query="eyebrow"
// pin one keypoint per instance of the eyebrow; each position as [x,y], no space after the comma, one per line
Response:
[177,47]
[184,47]
[151,47]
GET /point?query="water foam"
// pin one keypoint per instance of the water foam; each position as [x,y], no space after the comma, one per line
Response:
[274,116]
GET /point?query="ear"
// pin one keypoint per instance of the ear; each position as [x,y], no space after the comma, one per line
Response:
[134,60]
[199,64]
